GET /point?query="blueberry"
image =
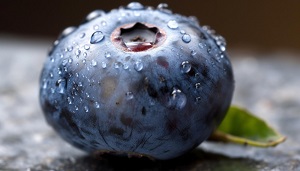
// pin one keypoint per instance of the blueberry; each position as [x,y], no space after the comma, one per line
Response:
[138,81]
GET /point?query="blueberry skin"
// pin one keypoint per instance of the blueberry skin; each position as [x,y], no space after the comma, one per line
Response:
[160,102]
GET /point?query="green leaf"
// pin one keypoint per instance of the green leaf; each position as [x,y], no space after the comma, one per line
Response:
[242,127]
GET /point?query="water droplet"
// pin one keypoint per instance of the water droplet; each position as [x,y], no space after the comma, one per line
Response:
[70,60]
[77,52]
[182,31]
[84,61]
[186,38]
[66,32]
[202,45]
[80,84]
[84,54]
[186,67]
[96,27]
[193,52]
[103,23]
[209,30]
[107,55]
[69,99]
[221,42]
[96,37]
[129,95]
[86,47]
[56,42]
[52,59]
[45,84]
[138,66]
[177,100]
[198,85]
[82,35]
[64,62]
[135,6]
[125,66]
[86,109]
[61,85]
[209,50]
[51,75]
[94,63]
[163,7]
[118,65]
[172,24]
[69,48]
[94,14]
[104,65]
[97,105]
[87,95]
[193,19]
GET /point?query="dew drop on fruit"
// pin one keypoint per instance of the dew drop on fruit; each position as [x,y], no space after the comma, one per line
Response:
[86,47]
[84,54]
[64,62]
[107,55]
[135,6]
[77,52]
[104,65]
[129,95]
[69,99]
[82,35]
[76,107]
[61,85]
[94,14]
[138,66]
[66,32]
[202,45]
[172,24]
[193,53]
[125,66]
[96,27]
[186,67]
[198,85]
[177,100]
[103,23]
[186,38]
[221,42]
[94,63]
[45,84]
[86,109]
[118,65]
[97,105]
[163,7]
[51,75]
[96,37]
[69,48]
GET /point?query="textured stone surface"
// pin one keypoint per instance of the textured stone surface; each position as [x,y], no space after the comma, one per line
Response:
[269,86]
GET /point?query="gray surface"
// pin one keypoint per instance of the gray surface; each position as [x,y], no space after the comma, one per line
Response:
[267,86]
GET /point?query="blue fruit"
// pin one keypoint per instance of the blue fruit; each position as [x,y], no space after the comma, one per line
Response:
[137,80]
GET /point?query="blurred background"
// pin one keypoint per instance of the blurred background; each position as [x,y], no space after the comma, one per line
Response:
[260,26]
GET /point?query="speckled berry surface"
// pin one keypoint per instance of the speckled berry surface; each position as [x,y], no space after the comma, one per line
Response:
[137,80]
